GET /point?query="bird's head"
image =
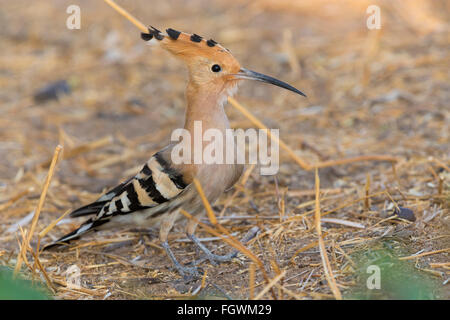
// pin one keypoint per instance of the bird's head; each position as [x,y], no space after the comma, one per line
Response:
[210,64]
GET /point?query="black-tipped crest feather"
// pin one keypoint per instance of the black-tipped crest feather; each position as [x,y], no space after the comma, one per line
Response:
[156,33]
[174,34]
[146,36]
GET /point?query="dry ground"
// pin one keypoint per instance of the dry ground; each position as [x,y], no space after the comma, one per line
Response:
[380,92]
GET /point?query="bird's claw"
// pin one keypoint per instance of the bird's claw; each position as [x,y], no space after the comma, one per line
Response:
[216,259]
[189,273]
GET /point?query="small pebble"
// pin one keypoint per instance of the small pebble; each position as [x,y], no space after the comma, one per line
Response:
[51,91]
[405,213]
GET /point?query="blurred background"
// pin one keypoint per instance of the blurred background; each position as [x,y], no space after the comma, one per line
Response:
[111,101]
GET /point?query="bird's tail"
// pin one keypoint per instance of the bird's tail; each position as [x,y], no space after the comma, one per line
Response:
[85,228]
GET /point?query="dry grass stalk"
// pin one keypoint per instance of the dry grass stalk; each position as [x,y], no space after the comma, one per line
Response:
[300,193]
[439,163]
[440,186]
[270,285]
[127,15]
[367,191]
[83,148]
[439,264]
[282,206]
[15,198]
[53,224]
[307,247]
[206,204]
[260,125]
[22,248]
[339,162]
[79,289]
[326,263]
[423,254]
[240,185]
[337,247]
[277,269]
[112,160]
[297,296]
[204,280]
[344,222]
[251,280]
[101,243]
[42,269]
[26,244]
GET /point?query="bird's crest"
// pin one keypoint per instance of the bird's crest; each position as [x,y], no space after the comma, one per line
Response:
[185,45]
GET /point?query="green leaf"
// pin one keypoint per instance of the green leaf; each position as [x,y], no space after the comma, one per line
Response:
[19,289]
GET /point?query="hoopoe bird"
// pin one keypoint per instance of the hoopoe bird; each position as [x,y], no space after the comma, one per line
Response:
[154,195]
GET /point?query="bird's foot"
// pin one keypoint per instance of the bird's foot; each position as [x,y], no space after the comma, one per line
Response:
[216,259]
[188,273]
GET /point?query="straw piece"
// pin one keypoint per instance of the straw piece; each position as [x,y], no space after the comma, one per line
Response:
[241,183]
[439,264]
[251,280]
[79,289]
[209,211]
[83,148]
[423,254]
[128,16]
[26,243]
[344,222]
[307,247]
[270,285]
[260,125]
[439,163]
[294,295]
[47,278]
[14,198]
[367,191]
[21,223]
[326,263]
[204,280]
[277,269]
[53,224]
[338,162]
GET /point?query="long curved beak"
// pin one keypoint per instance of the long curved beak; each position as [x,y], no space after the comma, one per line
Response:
[252,75]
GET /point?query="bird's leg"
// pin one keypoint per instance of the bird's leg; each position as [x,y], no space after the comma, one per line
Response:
[214,258]
[186,272]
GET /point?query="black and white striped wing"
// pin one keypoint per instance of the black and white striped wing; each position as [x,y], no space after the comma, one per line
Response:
[97,205]
[157,183]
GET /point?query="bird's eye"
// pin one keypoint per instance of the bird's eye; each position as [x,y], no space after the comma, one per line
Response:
[216,68]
